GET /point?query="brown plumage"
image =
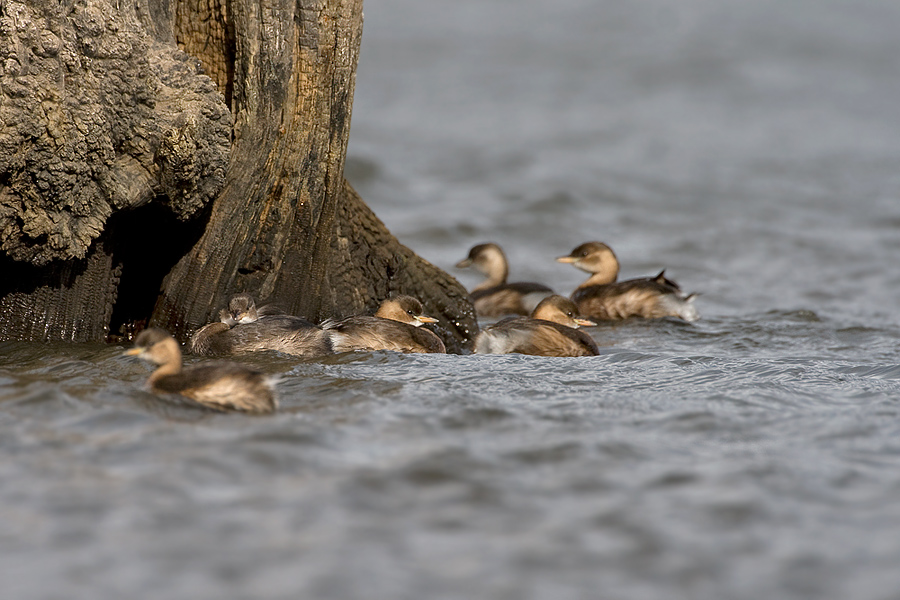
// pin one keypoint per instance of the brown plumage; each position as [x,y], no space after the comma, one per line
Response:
[550,331]
[242,309]
[221,386]
[602,298]
[495,297]
[396,326]
[244,328]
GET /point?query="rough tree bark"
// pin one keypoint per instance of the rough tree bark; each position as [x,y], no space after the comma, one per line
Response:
[134,187]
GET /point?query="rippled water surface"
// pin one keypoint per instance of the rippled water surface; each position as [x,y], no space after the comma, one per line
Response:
[749,148]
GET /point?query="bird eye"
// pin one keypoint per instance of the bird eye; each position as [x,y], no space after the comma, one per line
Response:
[411,313]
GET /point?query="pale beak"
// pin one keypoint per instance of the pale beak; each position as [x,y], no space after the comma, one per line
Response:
[566,259]
[466,262]
[585,323]
[424,319]
[133,352]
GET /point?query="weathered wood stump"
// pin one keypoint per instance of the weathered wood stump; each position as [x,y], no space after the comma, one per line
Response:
[158,156]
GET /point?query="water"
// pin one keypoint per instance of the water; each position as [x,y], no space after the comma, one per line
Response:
[749,148]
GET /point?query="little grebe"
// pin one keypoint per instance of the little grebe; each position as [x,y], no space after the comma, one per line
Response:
[495,297]
[243,328]
[550,331]
[396,326]
[602,298]
[222,386]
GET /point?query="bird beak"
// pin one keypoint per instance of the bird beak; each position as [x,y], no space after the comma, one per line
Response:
[424,319]
[133,352]
[466,262]
[566,259]
[585,323]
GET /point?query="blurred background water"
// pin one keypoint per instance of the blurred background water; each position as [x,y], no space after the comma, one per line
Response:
[751,149]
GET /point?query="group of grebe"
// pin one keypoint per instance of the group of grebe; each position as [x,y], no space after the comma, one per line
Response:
[243,327]
[601,297]
[547,326]
[550,330]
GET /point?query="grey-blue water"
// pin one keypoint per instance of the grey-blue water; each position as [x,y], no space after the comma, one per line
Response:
[751,148]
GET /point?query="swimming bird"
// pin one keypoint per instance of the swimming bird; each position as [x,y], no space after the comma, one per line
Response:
[244,328]
[602,298]
[241,309]
[222,386]
[495,297]
[551,330]
[396,326]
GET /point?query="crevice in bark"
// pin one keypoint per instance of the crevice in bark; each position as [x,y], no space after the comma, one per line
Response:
[146,243]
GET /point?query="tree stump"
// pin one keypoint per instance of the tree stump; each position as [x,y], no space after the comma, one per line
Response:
[157,157]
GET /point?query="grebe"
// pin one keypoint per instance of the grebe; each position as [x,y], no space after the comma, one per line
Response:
[396,326]
[602,298]
[243,328]
[550,331]
[222,386]
[495,297]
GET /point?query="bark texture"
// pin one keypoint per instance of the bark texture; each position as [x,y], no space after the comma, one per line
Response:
[368,265]
[98,116]
[137,188]
[96,279]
